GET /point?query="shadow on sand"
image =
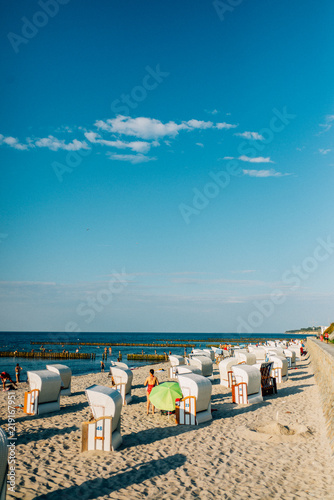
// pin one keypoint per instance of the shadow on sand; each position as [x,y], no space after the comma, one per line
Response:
[36,435]
[94,488]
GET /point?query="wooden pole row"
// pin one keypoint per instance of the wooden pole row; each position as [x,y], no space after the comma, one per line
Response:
[147,357]
[166,345]
[47,355]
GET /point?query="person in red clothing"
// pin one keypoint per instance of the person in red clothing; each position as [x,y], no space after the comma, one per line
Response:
[151,382]
[4,376]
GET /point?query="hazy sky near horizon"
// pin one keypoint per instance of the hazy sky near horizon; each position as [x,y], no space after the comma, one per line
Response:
[166,166]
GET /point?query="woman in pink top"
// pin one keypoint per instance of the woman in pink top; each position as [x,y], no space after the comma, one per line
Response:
[151,382]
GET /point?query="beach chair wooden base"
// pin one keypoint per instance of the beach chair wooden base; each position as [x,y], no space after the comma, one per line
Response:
[185,411]
[97,435]
[239,393]
[31,402]
[120,387]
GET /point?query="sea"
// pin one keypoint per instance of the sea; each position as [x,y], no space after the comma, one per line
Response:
[21,341]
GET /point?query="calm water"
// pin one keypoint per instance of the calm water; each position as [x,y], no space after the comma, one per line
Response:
[20,341]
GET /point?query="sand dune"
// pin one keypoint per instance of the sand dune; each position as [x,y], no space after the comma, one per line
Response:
[273,450]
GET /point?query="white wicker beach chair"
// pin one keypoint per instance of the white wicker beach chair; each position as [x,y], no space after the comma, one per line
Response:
[123,382]
[249,358]
[120,364]
[184,369]
[103,433]
[175,362]
[210,353]
[195,405]
[204,363]
[246,386]
[225,371]
[291,357]
[280,368]
[65,374]
[296,349]
[260,353]
[44,394]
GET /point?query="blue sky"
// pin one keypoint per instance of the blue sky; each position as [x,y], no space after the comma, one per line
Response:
[166,166]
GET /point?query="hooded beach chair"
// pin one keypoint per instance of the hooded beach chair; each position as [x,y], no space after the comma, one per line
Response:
[290,356]
[195,405]
[204,363]
[44,394]
[296,349]
[260,353]
[103,433]
[225,371]
[280,368]
[123,382]
[210,353]
[120,364]
[246,385]
[249,358]
[185,369]
[65,374]
[175,362]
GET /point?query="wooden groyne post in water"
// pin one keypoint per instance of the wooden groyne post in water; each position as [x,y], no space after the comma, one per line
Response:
[47,355]
[120,344]
[147,357]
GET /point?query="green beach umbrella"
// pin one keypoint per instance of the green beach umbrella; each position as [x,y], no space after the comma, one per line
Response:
[163,396]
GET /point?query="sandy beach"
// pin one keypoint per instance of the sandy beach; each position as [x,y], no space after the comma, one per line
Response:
[244,452]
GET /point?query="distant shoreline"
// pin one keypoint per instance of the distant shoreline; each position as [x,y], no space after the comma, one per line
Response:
[302,332]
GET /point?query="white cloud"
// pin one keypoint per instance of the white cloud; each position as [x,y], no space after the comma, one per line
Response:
[150,128]
[92,136]
[134,159]
[54,144]
[137,146]
[12,142]
[145,128]
[264,173]
[324,151]
[257,159]
[255,136]
[199,124]
[226,125]
[327,125]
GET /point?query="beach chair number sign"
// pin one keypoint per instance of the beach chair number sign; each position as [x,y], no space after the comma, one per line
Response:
[31,402]
[185,411]
[97,435]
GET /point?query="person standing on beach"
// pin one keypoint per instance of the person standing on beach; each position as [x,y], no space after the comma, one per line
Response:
[102,366]
[151,382]
[18,372]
